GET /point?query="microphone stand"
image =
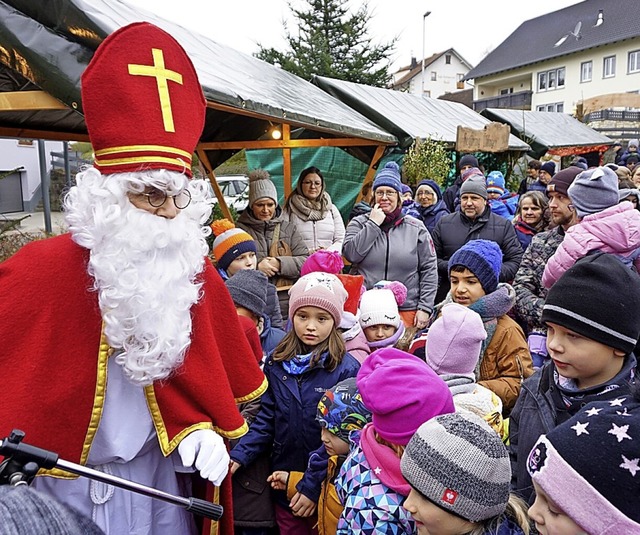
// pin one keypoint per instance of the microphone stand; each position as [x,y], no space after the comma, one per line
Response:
[22,462]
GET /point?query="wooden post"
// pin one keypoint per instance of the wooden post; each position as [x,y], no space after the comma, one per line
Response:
[286,156]
[214,183]
[371,172]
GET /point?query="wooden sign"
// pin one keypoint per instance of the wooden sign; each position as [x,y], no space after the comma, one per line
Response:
[494,137]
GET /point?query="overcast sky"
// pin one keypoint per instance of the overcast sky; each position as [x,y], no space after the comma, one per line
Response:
[472,27]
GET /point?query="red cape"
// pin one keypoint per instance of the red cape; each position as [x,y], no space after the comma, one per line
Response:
[54,364]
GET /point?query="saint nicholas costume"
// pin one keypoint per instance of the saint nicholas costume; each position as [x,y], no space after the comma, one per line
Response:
[62,385]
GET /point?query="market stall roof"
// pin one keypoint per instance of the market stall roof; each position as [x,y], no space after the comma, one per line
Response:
[409,116]
[45,47]
[557,133]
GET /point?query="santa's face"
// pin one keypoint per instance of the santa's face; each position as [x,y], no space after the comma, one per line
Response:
[145,261]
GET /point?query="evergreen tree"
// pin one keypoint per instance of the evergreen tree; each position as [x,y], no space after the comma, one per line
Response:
[332,42]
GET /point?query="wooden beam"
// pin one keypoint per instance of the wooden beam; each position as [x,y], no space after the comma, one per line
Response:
[286,156]
[214,183]
[29,100]
[289,144]
[371,171]
[27,133]
[612,100]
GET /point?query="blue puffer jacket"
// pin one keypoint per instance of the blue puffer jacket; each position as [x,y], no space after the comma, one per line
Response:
[287,423]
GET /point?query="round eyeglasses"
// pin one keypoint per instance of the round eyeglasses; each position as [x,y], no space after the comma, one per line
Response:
[157,198]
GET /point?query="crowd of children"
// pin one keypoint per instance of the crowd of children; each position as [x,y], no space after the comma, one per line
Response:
[370,425]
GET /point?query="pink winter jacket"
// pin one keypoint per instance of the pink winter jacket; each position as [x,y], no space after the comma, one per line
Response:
[615,230]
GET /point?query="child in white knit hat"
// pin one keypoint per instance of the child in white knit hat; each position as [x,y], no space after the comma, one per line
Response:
[379,315]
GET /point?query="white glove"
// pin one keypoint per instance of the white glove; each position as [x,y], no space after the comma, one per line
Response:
[207,448]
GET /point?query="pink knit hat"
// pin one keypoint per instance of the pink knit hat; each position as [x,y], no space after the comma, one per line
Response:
[321,290]
[402,393]
[323,260]
[454,341]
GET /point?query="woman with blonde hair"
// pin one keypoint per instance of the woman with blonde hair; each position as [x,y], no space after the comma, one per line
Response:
[531,216]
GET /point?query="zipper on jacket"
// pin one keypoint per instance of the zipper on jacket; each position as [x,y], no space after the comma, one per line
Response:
[386,261]
[315,238]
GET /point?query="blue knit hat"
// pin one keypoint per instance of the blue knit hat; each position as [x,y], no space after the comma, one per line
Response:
[433,185]
[341,409]
[495,182]
[389,176]
[483,258]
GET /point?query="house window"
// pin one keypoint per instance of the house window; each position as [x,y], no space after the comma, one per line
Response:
[586,71]
[634,62]
[434,76]
[557,107]
[427,93]
[542,81]
[609,67]
[506,91]
[549,80]
[447,59]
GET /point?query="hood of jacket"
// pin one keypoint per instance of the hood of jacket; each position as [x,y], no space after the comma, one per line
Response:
[618,226]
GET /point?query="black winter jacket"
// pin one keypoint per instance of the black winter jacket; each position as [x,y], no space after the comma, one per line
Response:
[456,229]
[541,407]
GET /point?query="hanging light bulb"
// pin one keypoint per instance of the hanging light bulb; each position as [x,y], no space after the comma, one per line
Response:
[276,133]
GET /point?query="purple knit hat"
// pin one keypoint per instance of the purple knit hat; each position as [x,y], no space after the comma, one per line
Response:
[454,341]
[402,393]
[321,290]
[590,467]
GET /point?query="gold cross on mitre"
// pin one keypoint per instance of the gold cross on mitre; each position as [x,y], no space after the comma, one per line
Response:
[161,74]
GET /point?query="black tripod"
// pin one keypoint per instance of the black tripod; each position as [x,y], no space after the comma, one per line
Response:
[22,462]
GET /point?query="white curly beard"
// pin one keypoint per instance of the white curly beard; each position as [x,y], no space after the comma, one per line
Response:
[145,267]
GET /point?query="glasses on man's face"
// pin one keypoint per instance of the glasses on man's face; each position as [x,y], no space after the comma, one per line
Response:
[157,198]
[388,194]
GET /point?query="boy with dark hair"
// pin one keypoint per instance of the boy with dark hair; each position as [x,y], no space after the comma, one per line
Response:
[591,315]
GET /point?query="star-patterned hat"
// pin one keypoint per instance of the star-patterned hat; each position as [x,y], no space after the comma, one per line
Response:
[321,290]
[590,466]
[142,102]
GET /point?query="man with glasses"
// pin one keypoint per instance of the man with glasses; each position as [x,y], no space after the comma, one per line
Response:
[474,221]
[134,358]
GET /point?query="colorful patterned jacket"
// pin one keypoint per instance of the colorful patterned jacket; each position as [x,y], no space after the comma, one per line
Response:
[370,506]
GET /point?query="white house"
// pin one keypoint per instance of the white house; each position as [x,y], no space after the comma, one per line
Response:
[20,189]
[583,60]
[443,73]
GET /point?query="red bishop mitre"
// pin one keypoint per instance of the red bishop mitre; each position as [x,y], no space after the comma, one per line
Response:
[143,104]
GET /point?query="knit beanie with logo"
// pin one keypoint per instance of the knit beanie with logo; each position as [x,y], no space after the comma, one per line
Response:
[460,464]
